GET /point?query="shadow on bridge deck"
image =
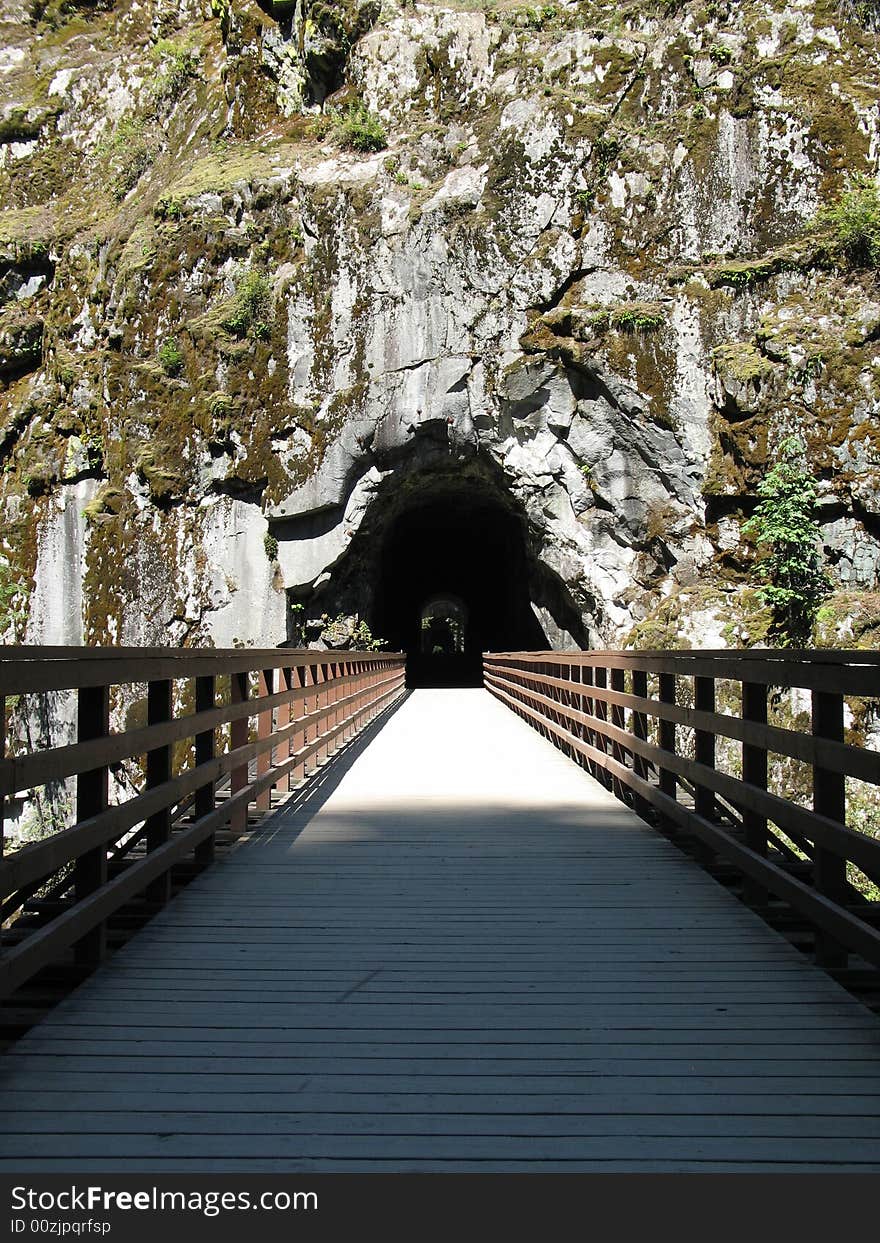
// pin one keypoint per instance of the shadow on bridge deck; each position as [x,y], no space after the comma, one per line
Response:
[458,953]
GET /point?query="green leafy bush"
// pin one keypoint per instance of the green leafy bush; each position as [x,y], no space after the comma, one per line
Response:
[783,522]
[253,299]
[358,129]
[855,222]
[170,357]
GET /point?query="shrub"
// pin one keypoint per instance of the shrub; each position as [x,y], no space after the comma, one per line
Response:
[270,544]
[251,307]
[177,64]
[783,522]
[170,357]
[358,129]
[855,222]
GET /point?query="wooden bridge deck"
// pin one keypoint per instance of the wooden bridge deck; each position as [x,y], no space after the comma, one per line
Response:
[463,955]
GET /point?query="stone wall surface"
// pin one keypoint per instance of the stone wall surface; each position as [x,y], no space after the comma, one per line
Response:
[581,275]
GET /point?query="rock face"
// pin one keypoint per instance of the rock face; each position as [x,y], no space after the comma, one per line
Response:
[546,307]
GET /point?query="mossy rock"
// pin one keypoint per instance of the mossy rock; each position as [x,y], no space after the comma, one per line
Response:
[849,619]
[156,466]
[106,504]
[741,362]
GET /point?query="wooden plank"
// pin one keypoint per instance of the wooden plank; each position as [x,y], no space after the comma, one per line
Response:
[473,1148]
[532,1119]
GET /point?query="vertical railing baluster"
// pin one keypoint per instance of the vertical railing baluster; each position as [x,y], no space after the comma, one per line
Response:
[206,750]
[321,696]
[666,778]
[282,720]
[158,826]
[640,731]
[239,732]
[829,799]
[704,745]
[92,792]
[618,751]
[600,678]
[334,700]
[754,771]
[264,732]
[575,673]
[299,709]
[589,706]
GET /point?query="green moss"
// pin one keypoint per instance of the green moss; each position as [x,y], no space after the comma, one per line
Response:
[244,163]
[741,361]
[637,317]
[849,619]
[108,501]
[158,465]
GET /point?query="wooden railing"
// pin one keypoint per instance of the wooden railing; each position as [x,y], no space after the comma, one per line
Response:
[624,717]
[222,728]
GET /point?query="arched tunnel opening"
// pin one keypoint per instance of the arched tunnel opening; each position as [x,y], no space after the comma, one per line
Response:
[443,568]
[459,547]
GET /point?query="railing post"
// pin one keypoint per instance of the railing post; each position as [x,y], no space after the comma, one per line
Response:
[300,709]
[90,869]
[640,731]
[589,708]
[600,680]
[238,737]
[333,720]
[666,778]
[353,670]
[704,753]
[575,673]
[704,745]
[320,673]
[264,731]
[618,751]
[158,826]
[282,720]
[829,799]
[206,748]
[754,771]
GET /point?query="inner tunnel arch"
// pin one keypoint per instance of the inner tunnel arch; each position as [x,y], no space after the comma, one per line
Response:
[449,529]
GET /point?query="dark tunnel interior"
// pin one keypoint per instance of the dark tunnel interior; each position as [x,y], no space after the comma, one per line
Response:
[466,547]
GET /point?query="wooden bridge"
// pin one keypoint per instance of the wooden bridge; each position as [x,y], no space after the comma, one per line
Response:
[559,923]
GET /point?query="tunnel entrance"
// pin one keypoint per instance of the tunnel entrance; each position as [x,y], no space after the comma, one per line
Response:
[453,582]
[443,565]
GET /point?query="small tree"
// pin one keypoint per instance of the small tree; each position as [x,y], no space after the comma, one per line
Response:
[783,522]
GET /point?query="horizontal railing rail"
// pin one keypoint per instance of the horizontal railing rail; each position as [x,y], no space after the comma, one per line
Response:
[223,729]
[623,715]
